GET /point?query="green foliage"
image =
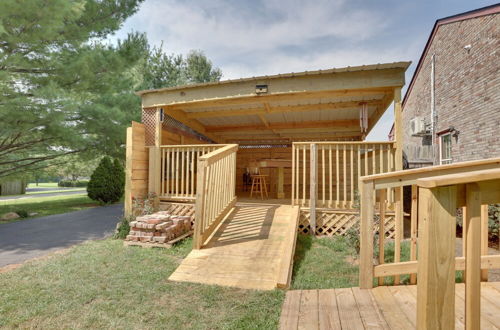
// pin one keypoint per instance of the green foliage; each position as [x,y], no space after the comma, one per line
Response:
[70,183]
[163,70]
[22,213]
[106,184]
[493,220]
[123,228]
[64,89]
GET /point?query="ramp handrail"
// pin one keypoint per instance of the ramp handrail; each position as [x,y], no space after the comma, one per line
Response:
[215,191]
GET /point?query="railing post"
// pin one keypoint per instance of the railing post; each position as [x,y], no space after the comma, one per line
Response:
[413,229]
[200,205]
[436,253]
[366,235]
[313,193]
[473,257]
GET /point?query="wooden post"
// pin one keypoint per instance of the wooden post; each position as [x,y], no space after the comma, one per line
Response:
[313,193]
[398,227]
[381,231]
[128,173]
[281,182]
[413,229]
[199,205]
[157,159]
[473,257]
[366,235]
[398,129]
[484,238]
[436,253]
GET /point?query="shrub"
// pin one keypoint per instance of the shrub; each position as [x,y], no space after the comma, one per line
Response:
[493,220]
[22,213]
[123,228]
[106,184]
[70,183]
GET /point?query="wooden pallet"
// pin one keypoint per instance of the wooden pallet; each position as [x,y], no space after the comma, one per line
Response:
[166,245]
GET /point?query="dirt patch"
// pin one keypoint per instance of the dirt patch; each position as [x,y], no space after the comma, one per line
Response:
[352,260]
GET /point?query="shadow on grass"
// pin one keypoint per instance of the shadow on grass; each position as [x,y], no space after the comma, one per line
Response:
[304,243]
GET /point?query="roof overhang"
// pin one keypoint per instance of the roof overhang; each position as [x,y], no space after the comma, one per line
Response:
[314,105]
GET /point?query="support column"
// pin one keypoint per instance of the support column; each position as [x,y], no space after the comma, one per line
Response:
[436,258]
[398,129]
[157,158]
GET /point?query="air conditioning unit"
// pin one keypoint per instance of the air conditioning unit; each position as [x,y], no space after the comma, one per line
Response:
[417,126]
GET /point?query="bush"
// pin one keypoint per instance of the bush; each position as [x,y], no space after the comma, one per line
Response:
[70,183]
[22,213]
[107,183]
[493,220]
[123,228]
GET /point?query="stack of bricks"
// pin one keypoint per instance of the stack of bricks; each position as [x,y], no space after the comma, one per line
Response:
[160,227]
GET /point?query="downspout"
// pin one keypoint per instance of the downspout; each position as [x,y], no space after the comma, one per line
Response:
[433,109]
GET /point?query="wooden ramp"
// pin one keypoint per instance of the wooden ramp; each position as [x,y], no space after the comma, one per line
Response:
[384,307]
[252,249]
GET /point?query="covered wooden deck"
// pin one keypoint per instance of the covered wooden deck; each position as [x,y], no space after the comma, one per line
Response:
[252,249]
[379,308]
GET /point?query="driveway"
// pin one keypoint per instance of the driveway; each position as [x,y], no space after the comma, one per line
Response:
[27,239]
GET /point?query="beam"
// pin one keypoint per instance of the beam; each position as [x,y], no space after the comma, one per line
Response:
[320,83]
[280,109]
[331,124]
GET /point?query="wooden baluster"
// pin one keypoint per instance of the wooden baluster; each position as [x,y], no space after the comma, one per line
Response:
[162,174]
[313,187]
[398,228]
[359,168]
[304,176]
[199,205]
[351,170]
[381,155]
[183,161]
[413,229]
[167,172]
[337,170]
[473,257]
[344,179]
[484,238]
[177,170]
[374,159]
[381,232]
[323,167]
[330,201]
[436,258]
[293,174]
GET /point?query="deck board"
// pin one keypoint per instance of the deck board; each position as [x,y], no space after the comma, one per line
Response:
[252,249]
[379,308]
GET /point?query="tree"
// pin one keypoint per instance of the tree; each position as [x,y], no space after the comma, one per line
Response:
[163,70]
[106,184]
[62,89]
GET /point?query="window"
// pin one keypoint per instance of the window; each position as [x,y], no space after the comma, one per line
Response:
[445,149]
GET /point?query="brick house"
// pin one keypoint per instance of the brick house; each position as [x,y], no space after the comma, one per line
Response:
[451,111]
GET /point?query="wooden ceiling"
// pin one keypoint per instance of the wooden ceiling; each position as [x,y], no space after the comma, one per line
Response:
[318,105]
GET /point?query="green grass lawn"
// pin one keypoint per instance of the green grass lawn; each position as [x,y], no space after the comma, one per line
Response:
[55,191]
[43,185]
[47,205]
[103,284]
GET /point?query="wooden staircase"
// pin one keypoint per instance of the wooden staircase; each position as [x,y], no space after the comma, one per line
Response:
[253,248]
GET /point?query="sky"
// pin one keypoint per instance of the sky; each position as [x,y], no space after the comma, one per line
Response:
[263,37]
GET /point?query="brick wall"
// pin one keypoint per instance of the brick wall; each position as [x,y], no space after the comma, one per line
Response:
[467,91]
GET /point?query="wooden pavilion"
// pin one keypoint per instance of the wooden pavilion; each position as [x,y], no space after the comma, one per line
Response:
[306,133]
[197,146]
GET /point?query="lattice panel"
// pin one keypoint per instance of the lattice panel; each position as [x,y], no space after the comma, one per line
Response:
[338,223]
[149,121]
[181,209]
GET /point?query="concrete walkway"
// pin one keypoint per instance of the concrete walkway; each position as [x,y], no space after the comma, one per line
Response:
[27,239]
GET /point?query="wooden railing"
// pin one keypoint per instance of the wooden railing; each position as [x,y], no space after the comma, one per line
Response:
[178,170]
[437,192]
[330,171]
[215,192]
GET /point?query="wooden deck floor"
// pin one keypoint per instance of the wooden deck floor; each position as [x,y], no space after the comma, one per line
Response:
[379,308]
[252,249]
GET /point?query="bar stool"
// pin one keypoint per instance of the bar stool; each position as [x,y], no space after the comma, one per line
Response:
[259,185]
